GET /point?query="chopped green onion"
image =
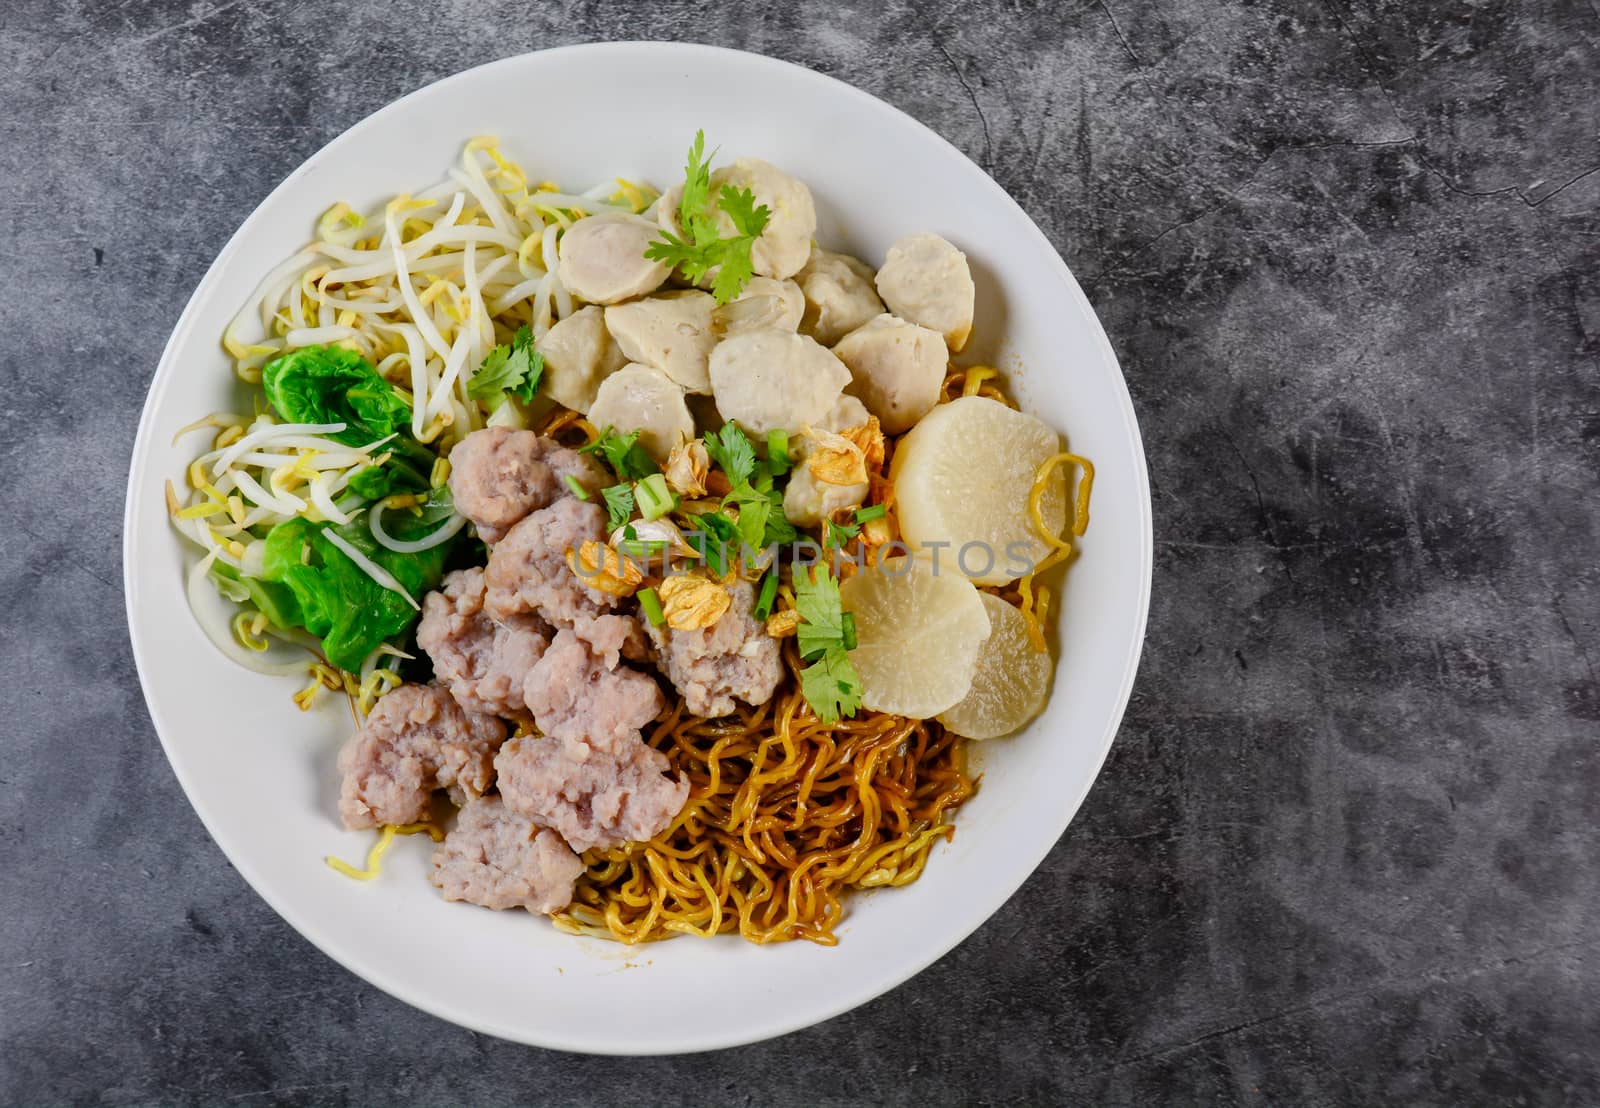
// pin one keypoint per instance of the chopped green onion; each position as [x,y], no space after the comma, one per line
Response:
[643,548]
[653,496]
[847,627]
[650,604]
[778,452]
[577,487]
[769,593]
[867,515]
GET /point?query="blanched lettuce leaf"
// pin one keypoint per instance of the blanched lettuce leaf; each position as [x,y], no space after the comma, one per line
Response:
[309,582]
[329,384]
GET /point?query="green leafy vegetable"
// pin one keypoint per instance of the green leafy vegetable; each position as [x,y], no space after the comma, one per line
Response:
[692,213]
[740,206]
[702,248]
[276,602]
[737,267]
[513,370]
[831,686]
[816,598]
[309,582]
[839,535]
[754,512]
[695,252]
[827,634]
[715,538]
[626,457]
[329,384]
[779,529]
[731,450]
[226,578]
[373,482]
[619,503]
[399,474]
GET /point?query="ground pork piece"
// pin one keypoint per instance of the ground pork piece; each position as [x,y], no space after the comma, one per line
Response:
[593,796]
[734,657]
[483,663]
[528,571]
[416,740]
[574,693]
[500,860]
[612,635]
[499,475]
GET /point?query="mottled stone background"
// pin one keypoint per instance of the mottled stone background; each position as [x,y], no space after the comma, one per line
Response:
[1345,847]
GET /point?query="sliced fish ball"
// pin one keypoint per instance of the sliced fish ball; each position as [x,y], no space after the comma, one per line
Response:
[638,398]
[578,354]
[897,369]
[775,380]
[847,411]
[764,303]
[927,280]
[670,332]
[839,295]
[602,258]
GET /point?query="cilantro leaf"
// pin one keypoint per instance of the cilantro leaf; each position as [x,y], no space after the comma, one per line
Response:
[754,511]
[630,460]
[513,369]
[619,503]
[831,686]
[737,266]
[692,214]
[826,633]
[779,529]
[699,251]
[731,450]
[715,538]
[702,247]
[735,270]
[693,260]
[816,598]
[740,206]
[839,535]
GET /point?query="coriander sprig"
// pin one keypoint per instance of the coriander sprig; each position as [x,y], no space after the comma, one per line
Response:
[702,247]
[511,369]
[826,634]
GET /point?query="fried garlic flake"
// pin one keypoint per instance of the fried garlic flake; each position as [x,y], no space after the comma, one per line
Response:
[687,468]
[868,437]
[692,603]
[836,460]
[781,625]
[606,569]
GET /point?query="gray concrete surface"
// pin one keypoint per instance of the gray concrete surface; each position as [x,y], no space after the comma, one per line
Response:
[1344,848]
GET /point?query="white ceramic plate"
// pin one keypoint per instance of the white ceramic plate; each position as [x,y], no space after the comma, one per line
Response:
[260,773]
